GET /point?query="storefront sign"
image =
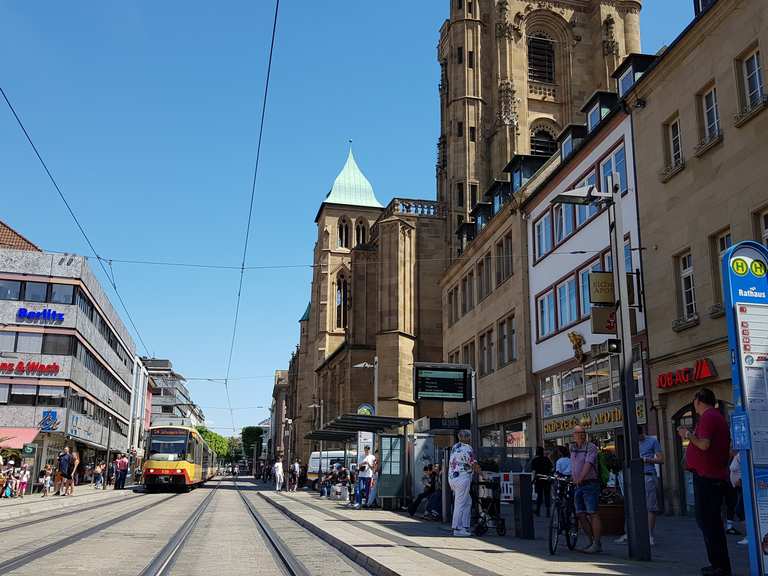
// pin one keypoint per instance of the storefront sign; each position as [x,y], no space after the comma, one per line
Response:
[442,382]
[745,287]
[49,422]
[30,368]
[599,418]
[603,320]
[46,316]
[702,370]
[601,288]
[366,409]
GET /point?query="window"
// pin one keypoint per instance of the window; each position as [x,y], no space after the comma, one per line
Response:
[566,147]
[506,348]
[484,276]
[454,299]
[687,287]
[460,55]
[472,134]
[486,353]
[361,233]
[542,143]
[460,194]
[459,4]
[545,306]
[470,59]
[57,344]
[35,291]
[342,302]
[23,394]
[470,290]
[597,380]
[617,162]
[468,353]
[343,233]
[504,259]
[543,240]
[10,290]
[29,343]
[472,195]
[572,385]
[460,129]
[551,396]
[675,143]
[586,306]
[7,341]
[4,392]
[541,59]
[567,307]
[564,226]
[753,80]
[51,396]
[584,213]
[763,224]
[711,115]
[593,118]
[626,81]
[721,244]
[62,293]
[469,6]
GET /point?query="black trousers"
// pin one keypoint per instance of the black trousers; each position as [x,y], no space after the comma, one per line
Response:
[543,495]
[415,504]
[709,495]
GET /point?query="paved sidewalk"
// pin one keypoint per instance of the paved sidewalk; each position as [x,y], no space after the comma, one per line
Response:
[11,508]
[390,543]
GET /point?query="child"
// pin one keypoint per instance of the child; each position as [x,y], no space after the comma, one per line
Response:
[46,473]
[23,480]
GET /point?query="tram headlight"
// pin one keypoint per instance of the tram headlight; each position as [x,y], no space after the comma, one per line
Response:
[178,471]
[151,469]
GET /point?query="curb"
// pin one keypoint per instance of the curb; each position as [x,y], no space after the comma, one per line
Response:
[359,558]
[19,509]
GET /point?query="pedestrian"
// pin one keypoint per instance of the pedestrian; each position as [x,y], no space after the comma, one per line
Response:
[74,466]
[23,480]
[541,466]
[121,465]
[296,474]
[735,478]
[64,471]
[364,474]
[734,507]
[707,457]
[461,466]
[587,494]
[47,473]
[374,481]
[563,462]
[278,469]
[651,454]
[97,477]
[434,510]
[429,483]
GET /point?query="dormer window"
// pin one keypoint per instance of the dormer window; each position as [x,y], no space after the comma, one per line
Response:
[566,148]
[626,81]
[594,117]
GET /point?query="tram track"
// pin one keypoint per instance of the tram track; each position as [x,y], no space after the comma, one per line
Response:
[55,546]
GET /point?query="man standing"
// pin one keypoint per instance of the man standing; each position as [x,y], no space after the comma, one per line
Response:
[587,494]
[64,465]
[296,474]
[541,466]
[364,475]
[707,458]
[122,471]
[461,465]
[278,470]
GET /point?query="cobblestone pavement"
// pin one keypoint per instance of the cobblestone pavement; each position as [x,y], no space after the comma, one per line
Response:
[395,543]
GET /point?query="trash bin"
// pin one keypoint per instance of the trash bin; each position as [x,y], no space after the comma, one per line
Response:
[523,505]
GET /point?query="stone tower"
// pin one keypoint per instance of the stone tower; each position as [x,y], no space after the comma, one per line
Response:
[514,73]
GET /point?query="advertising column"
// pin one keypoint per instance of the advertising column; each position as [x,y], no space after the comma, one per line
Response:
[746,302]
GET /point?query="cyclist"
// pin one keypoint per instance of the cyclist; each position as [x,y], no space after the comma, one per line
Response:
[587,493]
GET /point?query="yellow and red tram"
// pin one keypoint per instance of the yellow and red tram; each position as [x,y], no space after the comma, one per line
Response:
[177,458]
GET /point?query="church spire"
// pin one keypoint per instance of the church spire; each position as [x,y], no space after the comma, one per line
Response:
[352,187]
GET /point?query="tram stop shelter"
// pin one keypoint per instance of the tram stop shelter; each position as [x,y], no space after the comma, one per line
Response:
[390,434]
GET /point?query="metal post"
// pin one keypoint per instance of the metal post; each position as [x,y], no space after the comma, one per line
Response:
[376,386]
[634,497]
[109,441]
[446,486]
[475,428]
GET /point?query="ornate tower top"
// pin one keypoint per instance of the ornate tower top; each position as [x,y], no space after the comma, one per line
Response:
[352,187]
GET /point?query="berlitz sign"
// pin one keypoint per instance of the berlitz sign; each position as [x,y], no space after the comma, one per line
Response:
[46,316]
[702,370]
[30,368]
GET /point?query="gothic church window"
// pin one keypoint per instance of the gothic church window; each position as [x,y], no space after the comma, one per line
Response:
[361,234]
[542,143]
[541,59]
[343,234]
[342,301]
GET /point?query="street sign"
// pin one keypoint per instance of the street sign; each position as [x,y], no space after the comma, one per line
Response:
[603,320]
[745,287]
[442,382]
[601,288]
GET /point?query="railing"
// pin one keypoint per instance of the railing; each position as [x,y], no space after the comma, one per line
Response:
[672,169]
[407,207]
[750,109]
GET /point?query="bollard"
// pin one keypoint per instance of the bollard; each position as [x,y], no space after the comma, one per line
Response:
[523,506]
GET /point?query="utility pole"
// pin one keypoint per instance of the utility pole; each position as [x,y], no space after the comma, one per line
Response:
[109,446]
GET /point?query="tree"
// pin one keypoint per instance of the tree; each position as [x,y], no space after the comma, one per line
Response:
[251,437]
[235,449]
[216,442]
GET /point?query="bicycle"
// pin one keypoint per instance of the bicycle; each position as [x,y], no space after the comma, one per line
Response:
[563,519]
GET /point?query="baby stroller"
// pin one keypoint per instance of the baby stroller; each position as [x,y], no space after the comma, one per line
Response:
[487,497]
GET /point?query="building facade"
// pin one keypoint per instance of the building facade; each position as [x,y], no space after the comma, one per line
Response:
[280,423]
[172,403]
[699,127]
[66,359]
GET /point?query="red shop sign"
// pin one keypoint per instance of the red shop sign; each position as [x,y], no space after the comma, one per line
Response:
[702,370]
[30,368]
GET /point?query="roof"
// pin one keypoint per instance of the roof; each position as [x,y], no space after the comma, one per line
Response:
[9,238]
[306,313]
[361,423]
[352,187]
[16,437]
[330,436]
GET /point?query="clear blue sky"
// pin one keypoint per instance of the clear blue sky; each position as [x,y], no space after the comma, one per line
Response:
[147,114]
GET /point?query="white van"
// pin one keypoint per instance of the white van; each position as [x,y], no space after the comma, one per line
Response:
[330,458]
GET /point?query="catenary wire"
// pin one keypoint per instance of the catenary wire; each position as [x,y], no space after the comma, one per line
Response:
[110,278]
[250,212]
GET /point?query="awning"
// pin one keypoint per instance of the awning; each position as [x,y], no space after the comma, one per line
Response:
[361,423]
[330,436]
[16,437]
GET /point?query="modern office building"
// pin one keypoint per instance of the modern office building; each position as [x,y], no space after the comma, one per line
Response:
[172,403]
[66,359]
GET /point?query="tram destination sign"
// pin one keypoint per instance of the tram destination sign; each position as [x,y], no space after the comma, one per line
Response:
[442,382]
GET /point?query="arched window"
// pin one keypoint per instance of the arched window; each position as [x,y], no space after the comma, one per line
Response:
[541,58]
[361,233]
[343,233]
[342,301]
[542,143]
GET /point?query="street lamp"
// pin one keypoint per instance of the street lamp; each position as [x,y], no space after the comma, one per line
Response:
[637,515]
[320,461]
[375,367]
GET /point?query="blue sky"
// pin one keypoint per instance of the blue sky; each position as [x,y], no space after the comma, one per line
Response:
[147,114]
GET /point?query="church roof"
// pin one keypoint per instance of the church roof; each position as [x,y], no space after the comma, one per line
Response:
[306,313]
[352,187]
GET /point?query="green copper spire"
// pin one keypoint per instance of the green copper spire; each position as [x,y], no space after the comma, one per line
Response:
[352,187]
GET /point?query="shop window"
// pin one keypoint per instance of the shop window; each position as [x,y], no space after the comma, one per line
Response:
[35,291]
[23,395]
[62,293]
[597,379]
[551,396]
[51,396]
[29,343]
[572,385]
[10,290]
[57,344]
[7,341]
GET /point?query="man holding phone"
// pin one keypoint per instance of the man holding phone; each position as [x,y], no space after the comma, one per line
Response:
[364,475]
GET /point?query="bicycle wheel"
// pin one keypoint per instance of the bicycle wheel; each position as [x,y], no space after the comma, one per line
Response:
[554,530]
[571,528]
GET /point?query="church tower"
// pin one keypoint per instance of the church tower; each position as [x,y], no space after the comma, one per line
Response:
[514,73]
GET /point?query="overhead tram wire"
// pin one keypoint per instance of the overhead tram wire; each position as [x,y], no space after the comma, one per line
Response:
[250,212]
[109,277]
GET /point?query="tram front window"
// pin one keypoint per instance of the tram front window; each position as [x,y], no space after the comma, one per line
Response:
[168,447]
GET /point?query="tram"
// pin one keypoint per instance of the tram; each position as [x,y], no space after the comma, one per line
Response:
[177,458]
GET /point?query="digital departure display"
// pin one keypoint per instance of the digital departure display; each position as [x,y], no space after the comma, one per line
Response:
[442,382]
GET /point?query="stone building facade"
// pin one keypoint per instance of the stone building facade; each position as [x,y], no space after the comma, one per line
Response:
[699,117]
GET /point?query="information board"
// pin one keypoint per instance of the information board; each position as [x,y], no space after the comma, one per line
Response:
[442,382]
